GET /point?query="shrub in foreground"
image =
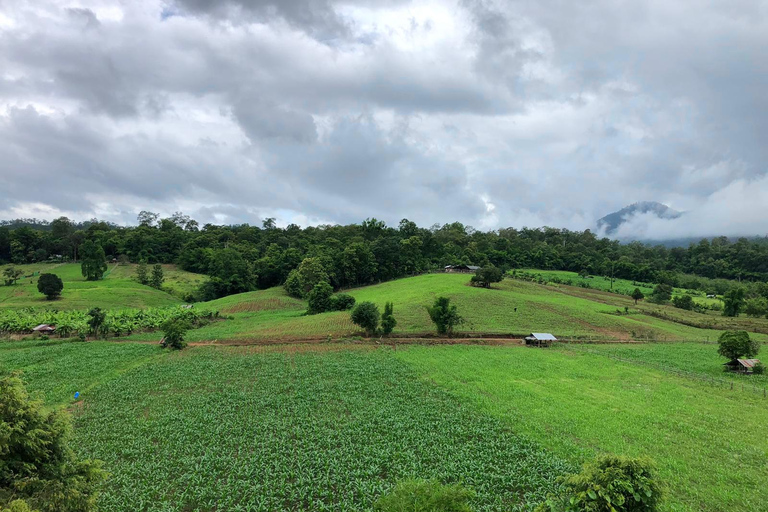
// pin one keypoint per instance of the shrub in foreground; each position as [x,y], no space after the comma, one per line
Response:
[38,469]
[609,484]
[366,315]
[319,298]
[342,302]
[425,496]
[388,321]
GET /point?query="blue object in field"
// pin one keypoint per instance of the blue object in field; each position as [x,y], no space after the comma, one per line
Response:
[77,394]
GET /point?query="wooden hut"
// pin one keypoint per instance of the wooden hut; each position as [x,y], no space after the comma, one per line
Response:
[539,339]
[44,329]
[741,365]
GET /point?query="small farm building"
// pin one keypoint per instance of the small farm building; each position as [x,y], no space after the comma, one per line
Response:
[539,339]
[741,365]
[44,328]
[461,268]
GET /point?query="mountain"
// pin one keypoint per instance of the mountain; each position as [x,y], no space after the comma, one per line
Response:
[612,221]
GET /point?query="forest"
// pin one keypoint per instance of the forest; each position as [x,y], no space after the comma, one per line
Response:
[244,257]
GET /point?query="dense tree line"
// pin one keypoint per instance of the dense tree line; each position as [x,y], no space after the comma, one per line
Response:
[245,257]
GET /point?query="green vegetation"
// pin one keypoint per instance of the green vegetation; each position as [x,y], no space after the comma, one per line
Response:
[486,276]
[319,298]
[388,322]
[445,316]
[736,344]
[609,484]
[366,315]
[50,285]
[298,428]
[579,405]
[94,260]
[157,277]
[425,496]
[38,467]
[174,331]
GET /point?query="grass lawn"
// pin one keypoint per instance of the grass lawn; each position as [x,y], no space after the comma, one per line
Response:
[709,443]
[118,289]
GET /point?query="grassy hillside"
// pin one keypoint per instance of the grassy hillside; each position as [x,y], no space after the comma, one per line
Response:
[118,289]
[512,308]
[709,442]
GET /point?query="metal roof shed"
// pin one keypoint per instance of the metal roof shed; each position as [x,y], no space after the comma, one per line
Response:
[539,339]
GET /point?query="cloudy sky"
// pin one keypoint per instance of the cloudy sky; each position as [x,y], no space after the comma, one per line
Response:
[492,113]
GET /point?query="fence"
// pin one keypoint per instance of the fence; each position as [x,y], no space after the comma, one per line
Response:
[715,382]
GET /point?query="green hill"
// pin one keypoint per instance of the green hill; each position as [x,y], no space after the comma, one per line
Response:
[511,308]
[118,289]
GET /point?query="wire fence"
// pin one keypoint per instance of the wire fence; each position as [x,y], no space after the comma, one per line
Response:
[728,384]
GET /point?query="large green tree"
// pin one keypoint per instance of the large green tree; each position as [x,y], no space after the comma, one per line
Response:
[304,278]
[737,344]
[733,301]
[50,285]
[445,316]
[94,261]
[37,464]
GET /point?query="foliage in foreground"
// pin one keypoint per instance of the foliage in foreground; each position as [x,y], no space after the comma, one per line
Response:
[388,321]
[425,496]
[609,484]
[737,344]
[173,333]
[37,465]
[444,315]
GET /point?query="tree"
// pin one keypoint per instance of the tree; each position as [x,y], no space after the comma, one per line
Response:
[662,293]
[683,302]
[425,496]
[444,315]
[142,274]
[756,307]
[737,344]
[733,300]
[146,218]
[637,295]
[609,484]
[157,277]
[174,331]
[486,275]
[94,261]
[11,275]
[96,322]
[342,302]
[388,321]
[50,285]
[319,298]
[38,467]
[366,315]
[302,279]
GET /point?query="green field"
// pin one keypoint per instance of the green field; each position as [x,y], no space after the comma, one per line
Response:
[222,428]
[568,312]
[118,289]
[709,442]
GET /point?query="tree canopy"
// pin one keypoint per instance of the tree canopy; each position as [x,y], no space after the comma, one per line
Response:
[50,285]
[94,261]
[737,344]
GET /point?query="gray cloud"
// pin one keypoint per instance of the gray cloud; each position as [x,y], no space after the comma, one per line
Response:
[493,113]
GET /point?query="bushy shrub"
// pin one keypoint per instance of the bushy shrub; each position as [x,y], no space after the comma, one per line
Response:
[319,298]
[366,315]
[388,321]
[342,302]
[609,484]
[425,496]
[444,315]
[662,293]
[683,302]
[96,322]
[736,344]
[38,469]
[174,331]
[486,276]
[758,369]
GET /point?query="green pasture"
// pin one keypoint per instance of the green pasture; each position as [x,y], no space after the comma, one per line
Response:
[512,307]
[708,441]
[118,289]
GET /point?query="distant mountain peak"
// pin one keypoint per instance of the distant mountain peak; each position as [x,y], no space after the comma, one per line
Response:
[612,221]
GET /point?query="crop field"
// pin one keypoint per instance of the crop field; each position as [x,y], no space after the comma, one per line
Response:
[330,427]
[709,442]
[118,289]
[696,358]
[512,307]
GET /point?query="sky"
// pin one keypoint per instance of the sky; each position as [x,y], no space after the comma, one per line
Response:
[491,113]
